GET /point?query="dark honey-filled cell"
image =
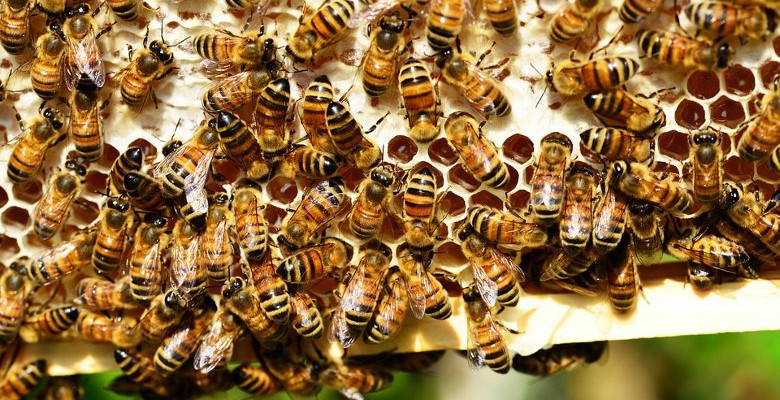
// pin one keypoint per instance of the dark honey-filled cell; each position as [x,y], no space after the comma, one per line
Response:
[96,182]
[529,173]
[737,169]
[666,171]
[449,254]
[519,200]
[459,176]
[9,247]
[486,198]
[725,143]
[768,70]
[703,84]
[282,189]
[226,170]
[674,144]
[518,148]
[352,175]
[110,153]
[3,197]
[402,148]
[689,114]
[739,80]
[727,112]
[765,174]
[392,230]
[28,192]
[274,216]
[85,212]
[452,204]
[15,218]
[511,183]
[150,150]
[441,152]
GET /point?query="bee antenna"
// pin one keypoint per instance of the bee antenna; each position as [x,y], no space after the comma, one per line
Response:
[537,71]
[540,97]
[179,42]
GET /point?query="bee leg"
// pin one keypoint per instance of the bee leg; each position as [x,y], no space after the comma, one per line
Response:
[376,124]
[508,329]
[105,30]
[484,54]
[19,116]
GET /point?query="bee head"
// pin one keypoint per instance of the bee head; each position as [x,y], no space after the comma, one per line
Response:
[162,51]
[724,55]
[444,56]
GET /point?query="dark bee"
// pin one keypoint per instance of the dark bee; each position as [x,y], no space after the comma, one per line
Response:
[558,358]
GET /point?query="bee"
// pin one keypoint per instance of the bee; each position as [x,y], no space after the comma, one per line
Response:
[746,212]
[420,99]
[312,263]
[305,317]
[502,15]
[506,229]
[15,26]
[36,138]
[700,276]
[637,181]
[481,90]
[609,219]
[316,99]
[360,296]
[368,212]
[320,28]
[577,215]
[51,7]
[622,279]
[84,61]
[251,227]
[720,19]
[634,11]
[216,345]
[573,77]
[86,124]
[756,249]
[354,380]
[185,170]
[419,211]
[129,161]
[125,9]
[574,19]
[146,258]
[319,205]
[163,314]
[255,380]
[102,294]
[563,264]
[308,162]
[676,49]
[49,322]
[232,92]
[647,232]
[559,357]
[618,108]
[496,276]
[243,301]
[226,49]
[138,367]
[709,250]
[62,260]
[186,271]
[63,388]
[486,345]
[445,20]
[298,379]
[271,289]
[413,362]
[46,68]
[707,158]
[761,136]
[14,289]
[478,153]
[617,144]
[143,191]
[380,63]
[427,295]
[216,246]
[547,185]
[240,145]
[177,347]
[98,328]
[270,118]
[53,208]
[153,63]
[21,380]
[115,221]
[350,139]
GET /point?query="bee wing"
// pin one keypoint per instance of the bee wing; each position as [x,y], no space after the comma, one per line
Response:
[218,238]
[184,262]
[165,165]
[475,354]
[371,13]
[56,205]
[195,182]
[216,346]
[215,69]
[339,331]
[502,259]
[85,58]
[233,85]
[488,289]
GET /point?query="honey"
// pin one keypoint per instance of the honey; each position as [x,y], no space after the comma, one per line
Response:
[689,114]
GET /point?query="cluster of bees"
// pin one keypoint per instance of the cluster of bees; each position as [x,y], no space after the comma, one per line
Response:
[165,236]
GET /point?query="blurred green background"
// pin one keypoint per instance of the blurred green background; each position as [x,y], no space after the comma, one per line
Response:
[713,367]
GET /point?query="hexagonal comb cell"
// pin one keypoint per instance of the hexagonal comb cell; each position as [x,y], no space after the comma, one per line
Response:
[274,216]
[441,152]
[737,169]
[9,247]
[459,176]
[110,153]
[486,198]
[727,112]
[739,80]
[96,182]
[452,204]
[282,189]
[674,144]
[449,254]
[767,71]
[703,84]
[402,148]
[15,219]
[689,114]
[518,148]
[28,192]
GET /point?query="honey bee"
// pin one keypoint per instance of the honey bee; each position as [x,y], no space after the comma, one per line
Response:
[419,211]
[622,279]
[559,357]
[647,232]
[709,250]
[574,19]
[36,138]
[298,379]
[86,125]
[573,77]
[480,89]
[138,367]
[102,294]
[676,49]
[153,63]
[62,260]
[502,15]
[350,139]
[547,185]
[63,388]
[21,380]
[49,322]
[255,380]
[240,145]
[243,301]
[115,221]
[700,276]
[308,162]
[412,362]
[186,271]
[320,28]
[609,219]
[143,191]
[761,136]
[707,158]
[216,345]
[15,26]
[637,181]
[445,20]
[250,224]
[617,144]
[634,11]
[225,49]
[125,9]
[98,328]
[355,380]
[316,99]
[129,161]
[84,61]
[46,68]
[271,289]
[191,213]
[368,212]
[232,92]
[563,264]
[163,314]
[270,118]
[380,63]
[755,248]
[427,295]
[53,208]
[478,153]
[216,246]
[720,19]
[146,258]
[420,99]
[577,215]
[314,262]
[14,289]
[388,318]
[496,276]
[319,205]
[618,108]
[506,229]
[746,212]
[305,317]
[486,345]
[185,170]
[177,347]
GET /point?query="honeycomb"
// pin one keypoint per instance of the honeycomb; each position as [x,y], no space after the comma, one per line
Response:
[695,99]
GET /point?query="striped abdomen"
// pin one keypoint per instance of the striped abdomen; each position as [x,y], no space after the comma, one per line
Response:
[573,20]
[607,72]
[420,195]
[20,381]
[137,367]
[633,11]
[125,9]
[315,103]
[343,129]
[609,221]
[55,321]
[15,27]
[305,317]
[445,20]
[28,154]
[502,14]
[251,226]
[255,380]
[762,136]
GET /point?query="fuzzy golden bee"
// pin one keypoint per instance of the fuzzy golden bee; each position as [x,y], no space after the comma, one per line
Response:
[305,317]
[177,347]
[187,273]
[251,227]
[480,89]
[62,260]
[32,144]
[15,31]
[152,63]
[609,218]
[53,208]
[720,19]
[243,301]
[617,144]
[572,77]
[14,290]
[225,49]
[20,380]
[380,65]
[271,289]
[356,379]
[618,108]
[427,295]
[368,212]
[232,92]
[46,68]
[480,156]
[216,345]
[547,184]
[706,156]
[131,160]
[350,139]
[420,211]
[420,99]
[390,312]
[314,262]
[98,328]
[116,219]
[574,19]
[255,380]
[444,22]
[497,278]
[271,112]
[48,322]
[146,258]
[647,232]
[86,122]
[637,181]
[101,294]
[314,107]
[576,222]
[319,205]
[622,279]
[486,344]
[504,228]
[634,11]
[762,135]
[320,28]
[677,49]
[84,61]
